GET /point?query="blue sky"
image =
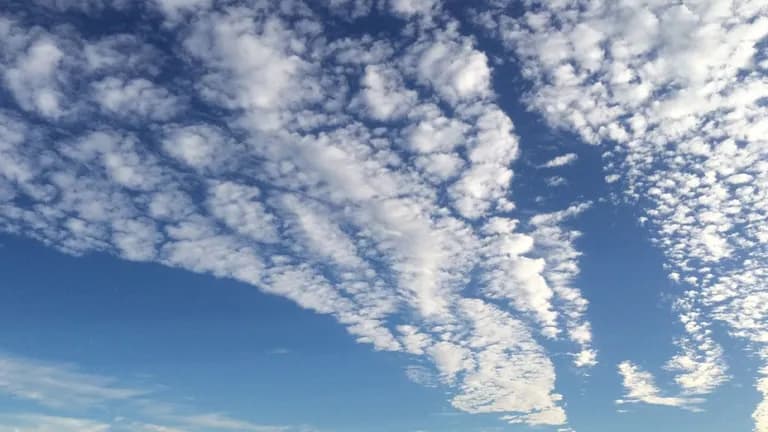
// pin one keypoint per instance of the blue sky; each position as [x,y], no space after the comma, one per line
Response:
[383,215]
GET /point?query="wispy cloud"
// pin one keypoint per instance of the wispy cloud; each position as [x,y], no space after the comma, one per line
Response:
[641,387]
[79,395]
[422,376]
[58,385]
[561,160]
[221,422]
[682,122]
[46,423]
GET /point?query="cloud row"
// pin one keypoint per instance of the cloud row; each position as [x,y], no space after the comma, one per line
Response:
[360,176]
[675,93]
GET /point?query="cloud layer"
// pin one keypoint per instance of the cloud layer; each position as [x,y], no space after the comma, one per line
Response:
[675,93]
[365,177]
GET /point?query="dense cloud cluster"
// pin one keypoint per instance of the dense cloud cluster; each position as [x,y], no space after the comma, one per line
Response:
[362,176]
[675,92]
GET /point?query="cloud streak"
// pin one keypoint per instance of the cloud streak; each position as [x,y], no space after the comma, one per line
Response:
[57,386]
[78,400]
[561,160]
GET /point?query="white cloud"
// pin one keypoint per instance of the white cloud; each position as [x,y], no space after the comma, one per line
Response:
[435,132]
[14,165]
[122,53]
[84,6]
[221,422]
[519,280]
[136,239]
[239,207]
[640,387]
[349,9]
[44,423]
[557,244]
[413,340]
[199,146]
[503,352]
[760,415]
[673,91]
[66,389]
[442,166]
[383,93]
[135,98]
[280,179]
[408,8]
[421,375]
[561,160]
[253,65]
[491,150]
[33,422]
[322,235]
[556,181]
[119,157]
[32,79]
[173,9]
[56,385]
[450,359]
[550,416]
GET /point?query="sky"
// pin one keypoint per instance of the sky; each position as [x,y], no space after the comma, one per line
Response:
[383,215]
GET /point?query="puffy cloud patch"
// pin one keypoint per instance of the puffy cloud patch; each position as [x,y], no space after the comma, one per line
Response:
[138,98]
[33,78]
[384,94]
[673,90]
[451,65]
[409,8]
[284,178]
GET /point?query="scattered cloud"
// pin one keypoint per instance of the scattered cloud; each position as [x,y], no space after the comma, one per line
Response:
[265,161]
[556,181]
[561,160]
[64,389]
[422,376]
[368,177]
[384,95]
[673,91]
[56,386]
[44,423]
[137,98]
[220,422]
[640,387]
[33,79]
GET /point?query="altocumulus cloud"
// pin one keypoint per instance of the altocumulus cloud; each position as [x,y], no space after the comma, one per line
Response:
[368,176]
[674,92]
[362,176]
